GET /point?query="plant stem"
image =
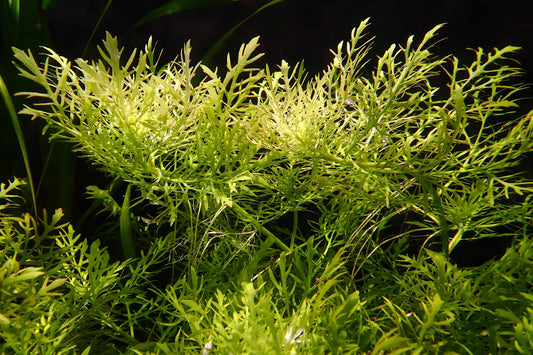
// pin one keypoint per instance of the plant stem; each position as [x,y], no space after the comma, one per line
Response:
[126,236]
[18,131]
[271,238]
[443,224]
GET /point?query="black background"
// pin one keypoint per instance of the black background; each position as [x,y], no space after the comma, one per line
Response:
[295,29]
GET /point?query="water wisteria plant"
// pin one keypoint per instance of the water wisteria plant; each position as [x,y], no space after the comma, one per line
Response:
[220,155]
[257,208]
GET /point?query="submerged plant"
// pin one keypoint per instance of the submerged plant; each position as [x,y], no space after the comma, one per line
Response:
[221,156]
[61,295]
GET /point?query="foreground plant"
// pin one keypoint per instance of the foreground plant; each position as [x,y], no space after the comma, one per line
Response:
[60,295]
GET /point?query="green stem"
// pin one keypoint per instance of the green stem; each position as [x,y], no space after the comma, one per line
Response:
[18,131]
[271,238]
[126,235]
[443,224]
[95,28]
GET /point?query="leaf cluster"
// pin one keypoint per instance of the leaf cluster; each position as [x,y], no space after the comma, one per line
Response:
[273,196]
[236,151]
[60,295]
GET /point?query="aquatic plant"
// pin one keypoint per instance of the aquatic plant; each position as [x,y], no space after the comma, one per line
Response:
[254,207]
[234,151]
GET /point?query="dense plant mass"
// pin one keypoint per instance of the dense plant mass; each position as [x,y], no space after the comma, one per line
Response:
[268,197]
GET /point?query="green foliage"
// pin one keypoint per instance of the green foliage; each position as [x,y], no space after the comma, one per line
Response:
[249,318]
[236,151]
[228,167]
[439,307]
[6,97]
[23,24]
[58,294]
[30,319]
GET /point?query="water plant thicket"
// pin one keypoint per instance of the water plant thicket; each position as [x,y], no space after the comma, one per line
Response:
[268,194]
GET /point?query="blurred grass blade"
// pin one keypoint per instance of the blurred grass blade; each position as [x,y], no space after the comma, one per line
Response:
[18,131]
[95,28]
[176,6]
[9,22]
[216,47]
[15,10]
[45,5]
[126,235]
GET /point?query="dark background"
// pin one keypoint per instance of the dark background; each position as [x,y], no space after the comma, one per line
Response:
[297,29]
